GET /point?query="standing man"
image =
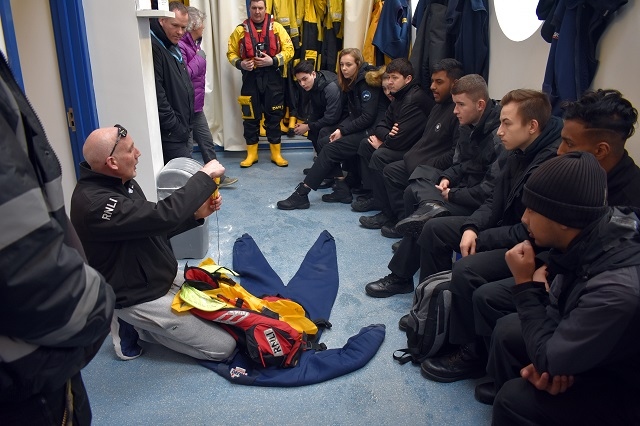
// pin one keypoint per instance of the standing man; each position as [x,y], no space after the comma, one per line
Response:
[260,47]
[55,310]
[174,89]
[126,238]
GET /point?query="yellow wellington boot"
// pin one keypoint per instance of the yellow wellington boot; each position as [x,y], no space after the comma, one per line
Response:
[292,125]
[252,156]
[263,130]
[276,157]
[283,127]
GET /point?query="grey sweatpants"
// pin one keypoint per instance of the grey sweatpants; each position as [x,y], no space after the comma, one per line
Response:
[182,332]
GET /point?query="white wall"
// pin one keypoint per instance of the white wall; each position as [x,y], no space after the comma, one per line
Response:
[521,65]
[122,66]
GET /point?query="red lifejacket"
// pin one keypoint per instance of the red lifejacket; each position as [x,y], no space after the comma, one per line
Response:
[253,37]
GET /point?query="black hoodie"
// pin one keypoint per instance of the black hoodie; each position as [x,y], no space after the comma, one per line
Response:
[591,325]
[497,221]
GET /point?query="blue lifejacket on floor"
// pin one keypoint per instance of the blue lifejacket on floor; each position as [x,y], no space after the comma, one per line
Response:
[314,286]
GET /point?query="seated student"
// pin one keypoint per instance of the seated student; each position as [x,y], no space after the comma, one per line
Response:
[396,132]
[478,148]
[125,238]
[322,100]
[434,148]
[532,135]
[578,346]
[600,123]
[365,101]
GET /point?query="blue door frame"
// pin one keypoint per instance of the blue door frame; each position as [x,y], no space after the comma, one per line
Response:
[70,36]
[10,41]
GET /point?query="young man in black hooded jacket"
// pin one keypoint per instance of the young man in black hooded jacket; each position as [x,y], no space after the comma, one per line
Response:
[578,346]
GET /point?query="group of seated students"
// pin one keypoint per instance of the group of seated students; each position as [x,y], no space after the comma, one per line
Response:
[546,291]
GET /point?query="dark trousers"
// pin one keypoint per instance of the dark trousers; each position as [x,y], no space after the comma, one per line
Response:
[47,408]
[201,135]
[314,137]
[372,165]
[365,152]
[175,150]
[331,155]
[266,88]
[423,190]
[440,237]
[491,302]
[396,178]
[468,275]
[601,402]
[519,403]
[432,251]
[379,162]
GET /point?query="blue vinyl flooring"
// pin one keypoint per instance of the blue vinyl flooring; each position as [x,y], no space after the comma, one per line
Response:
[166,388]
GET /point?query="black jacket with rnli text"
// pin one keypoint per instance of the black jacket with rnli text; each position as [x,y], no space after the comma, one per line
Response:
[126,237]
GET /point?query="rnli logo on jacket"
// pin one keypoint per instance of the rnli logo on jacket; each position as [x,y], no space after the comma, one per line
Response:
[366,96]
[236,372]
[438,127]
[272,338]
[109,208]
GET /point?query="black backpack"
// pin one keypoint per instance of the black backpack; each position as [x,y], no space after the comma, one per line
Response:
[428,322]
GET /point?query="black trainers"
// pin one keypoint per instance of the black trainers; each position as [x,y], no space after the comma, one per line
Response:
[298,200]
[365,204]
[340,194]
[389,285]
[389,230]
[413,224]
[374,222]
[458,365]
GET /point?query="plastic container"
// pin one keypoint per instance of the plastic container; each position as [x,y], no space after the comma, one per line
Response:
[194,243]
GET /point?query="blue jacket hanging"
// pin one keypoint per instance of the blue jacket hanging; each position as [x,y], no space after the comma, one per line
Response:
[572,62]
[393,34]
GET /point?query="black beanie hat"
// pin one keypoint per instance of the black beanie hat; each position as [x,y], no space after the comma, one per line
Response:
[570,189]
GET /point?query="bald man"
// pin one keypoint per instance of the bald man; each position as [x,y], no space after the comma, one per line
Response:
[126,238]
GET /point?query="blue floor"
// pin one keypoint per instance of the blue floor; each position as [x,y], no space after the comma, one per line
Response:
[166,388]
